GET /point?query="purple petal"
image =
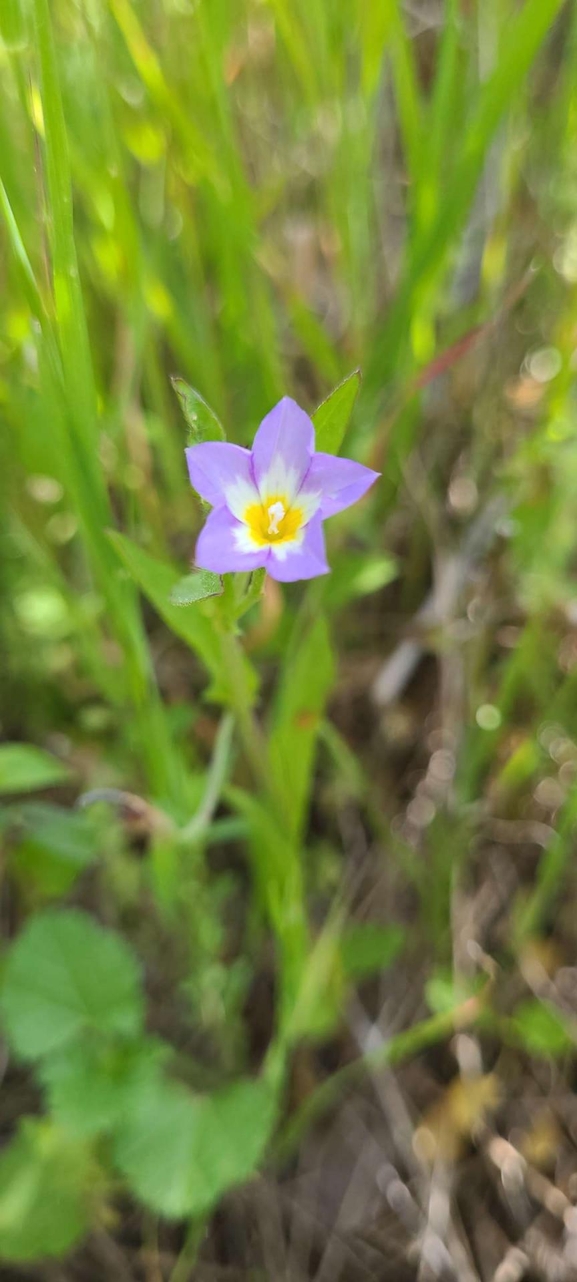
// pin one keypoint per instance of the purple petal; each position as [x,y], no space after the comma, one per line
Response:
[225,544]
[282,450]
[338,481]
[305,560]
[221,474]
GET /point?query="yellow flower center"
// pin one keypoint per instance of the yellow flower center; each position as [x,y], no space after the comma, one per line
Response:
[273,521]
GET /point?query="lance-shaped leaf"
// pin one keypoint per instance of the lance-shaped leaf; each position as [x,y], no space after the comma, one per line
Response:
[196,586]
[368,947]
[50,847]
[331,419]
[23,768]
[157,579]
[304,688]
[201,420]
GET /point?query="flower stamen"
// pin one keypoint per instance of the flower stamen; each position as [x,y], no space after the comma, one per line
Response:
[277,512]
[273,520]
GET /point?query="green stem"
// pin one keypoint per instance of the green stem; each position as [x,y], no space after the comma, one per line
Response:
[195,829]
[401,1047]
[188,1256]
[286,887]
[528,915]
[253,592]
[253,741]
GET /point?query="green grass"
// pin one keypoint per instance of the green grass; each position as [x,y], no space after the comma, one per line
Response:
[262,199]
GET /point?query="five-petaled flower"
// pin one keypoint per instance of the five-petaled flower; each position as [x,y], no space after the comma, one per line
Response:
[269,502]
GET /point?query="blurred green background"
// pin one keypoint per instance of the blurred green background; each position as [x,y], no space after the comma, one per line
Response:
[261,197]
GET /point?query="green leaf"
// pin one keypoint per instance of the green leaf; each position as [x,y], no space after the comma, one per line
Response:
[23,768]
[318,999]
[47,1192]
[540,1029]
[12,24]
[180,1152]
[69,310]
[157,579]
[440,992]
[276,862]
[368,948]
[54,846]
[201,420]
[305,684]
[253,593]
[313,337]
[196,587]
[331,419]
[66,976]
[358,574]
[89,1085]
[431,247]
[444,990]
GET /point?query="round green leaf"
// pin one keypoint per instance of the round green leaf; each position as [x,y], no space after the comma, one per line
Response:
[66,975]
[180,1152]
[89,1085]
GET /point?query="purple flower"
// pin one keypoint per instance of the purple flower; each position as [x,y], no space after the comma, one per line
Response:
[269,503]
